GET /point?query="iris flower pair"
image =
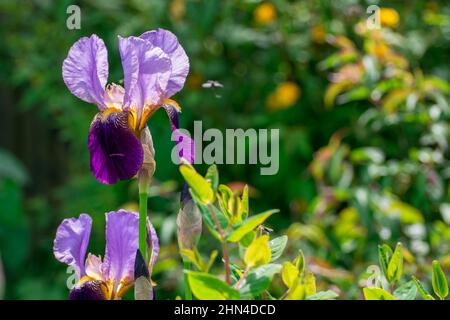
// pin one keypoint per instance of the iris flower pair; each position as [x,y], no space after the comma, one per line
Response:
[155,68]
[111,277]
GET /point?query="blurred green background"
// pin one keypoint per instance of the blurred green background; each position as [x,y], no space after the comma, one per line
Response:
[363,119]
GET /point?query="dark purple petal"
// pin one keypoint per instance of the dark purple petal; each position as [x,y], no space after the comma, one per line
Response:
[85,70]
[116,153]
[122,233]
[184,143]
[168,42]
[87,290]
[71,242]
[146,73]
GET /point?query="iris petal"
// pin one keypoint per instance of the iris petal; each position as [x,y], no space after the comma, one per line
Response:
[115,151]
[71,242]
[85,70]
[88,290]
[121,245]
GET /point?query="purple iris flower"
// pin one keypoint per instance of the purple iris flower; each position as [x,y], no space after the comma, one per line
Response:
[155,68]
[111,277]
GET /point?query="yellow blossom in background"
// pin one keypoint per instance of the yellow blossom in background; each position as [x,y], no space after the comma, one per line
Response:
[285,96]
[389,17]
[265,13]
[177,9]
[318,34]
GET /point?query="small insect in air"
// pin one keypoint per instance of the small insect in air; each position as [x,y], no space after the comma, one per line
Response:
[214,85]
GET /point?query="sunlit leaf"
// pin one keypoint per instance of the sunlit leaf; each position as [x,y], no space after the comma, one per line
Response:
[377,294]
[258,252]
[199,185]
[439,281]
[207,287]
[422,291]
[240,230]
[395,267]
[289,274]
[212,175]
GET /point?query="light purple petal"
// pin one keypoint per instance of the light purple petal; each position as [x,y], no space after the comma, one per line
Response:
[184,143]
[85,70]
[122,233]
[168,42]
[71,242]
[153,244]
[185,146]
[146,73]
[115,151]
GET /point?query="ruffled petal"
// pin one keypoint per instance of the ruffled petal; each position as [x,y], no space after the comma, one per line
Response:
[146,73]
[71,242]
[115,151]
[94,267]
[122,233]
[168,42]
[85,70]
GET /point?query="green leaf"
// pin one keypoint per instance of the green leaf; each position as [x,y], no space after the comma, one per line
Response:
[212,175]
[406,291]
[439,281]
[377,294]
[243,209]
[199,185]
[240,230]
[422,291]
[258,280]
[277,246]
[207,287]
[323,295]
[300,262]
[384,256]
[395,267]
[205,211]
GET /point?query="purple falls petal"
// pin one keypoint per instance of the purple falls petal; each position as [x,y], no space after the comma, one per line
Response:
[153,244]
[122,233]
[115,152]
[71,242]
[87,290]
[85,70]
[146,73]
[168,42]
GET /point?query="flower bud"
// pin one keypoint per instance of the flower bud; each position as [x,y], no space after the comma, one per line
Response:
[147,170]
[189,221]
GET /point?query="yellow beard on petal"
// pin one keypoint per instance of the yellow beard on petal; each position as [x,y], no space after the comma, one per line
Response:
[107,112]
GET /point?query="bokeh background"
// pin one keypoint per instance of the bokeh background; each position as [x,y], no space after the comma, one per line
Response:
[363,118]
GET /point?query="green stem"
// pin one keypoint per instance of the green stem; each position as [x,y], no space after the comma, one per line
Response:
[187,288]
[143,198]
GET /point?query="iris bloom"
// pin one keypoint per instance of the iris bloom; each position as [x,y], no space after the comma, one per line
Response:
[111,277]
[155,68]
